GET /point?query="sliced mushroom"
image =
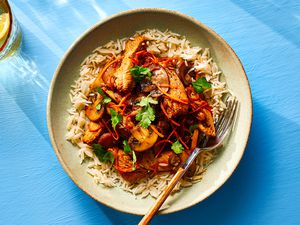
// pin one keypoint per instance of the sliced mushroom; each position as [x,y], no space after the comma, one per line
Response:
[91,136]
[142,139]
[107,140]
[147,86]
[92,112]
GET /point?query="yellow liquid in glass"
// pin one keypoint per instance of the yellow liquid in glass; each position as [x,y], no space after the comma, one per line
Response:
[10,34]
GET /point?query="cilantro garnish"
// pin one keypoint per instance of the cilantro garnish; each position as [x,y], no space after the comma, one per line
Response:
[105,98]
[146,101]
[146,114]
[133,161]
[177,147]
[115,118]
[139,73]
[98,107]
[127,150]
[201,84]
[102,154]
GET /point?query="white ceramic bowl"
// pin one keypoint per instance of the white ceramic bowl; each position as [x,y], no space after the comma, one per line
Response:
[123,25]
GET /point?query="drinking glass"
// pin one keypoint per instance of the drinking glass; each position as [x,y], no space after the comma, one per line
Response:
[10,32]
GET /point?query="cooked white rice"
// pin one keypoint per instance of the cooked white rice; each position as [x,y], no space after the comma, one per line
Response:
[165,44]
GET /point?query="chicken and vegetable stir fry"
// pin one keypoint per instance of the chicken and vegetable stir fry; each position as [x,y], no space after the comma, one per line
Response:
[147,113]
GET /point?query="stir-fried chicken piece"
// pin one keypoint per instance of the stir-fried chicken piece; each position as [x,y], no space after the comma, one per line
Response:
[177,91]
[134,176]
[161,78]
[208,127]
[94,131]
[123,79]
[124,164]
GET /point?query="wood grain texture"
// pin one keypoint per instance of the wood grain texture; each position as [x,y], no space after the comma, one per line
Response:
[265,187]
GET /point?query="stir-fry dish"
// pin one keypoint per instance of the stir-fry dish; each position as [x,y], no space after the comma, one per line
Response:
[147,112]
[141,106]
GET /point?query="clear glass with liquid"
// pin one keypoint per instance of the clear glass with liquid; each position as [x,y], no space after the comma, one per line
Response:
[10,32]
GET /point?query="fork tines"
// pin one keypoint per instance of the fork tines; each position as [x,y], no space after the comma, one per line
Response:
[227,117]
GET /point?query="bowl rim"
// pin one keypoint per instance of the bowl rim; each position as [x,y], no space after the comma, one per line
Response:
[82,36]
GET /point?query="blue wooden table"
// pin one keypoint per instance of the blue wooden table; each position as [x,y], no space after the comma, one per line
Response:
[265,189]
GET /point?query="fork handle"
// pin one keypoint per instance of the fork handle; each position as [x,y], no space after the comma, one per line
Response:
[163,196]
[166,192]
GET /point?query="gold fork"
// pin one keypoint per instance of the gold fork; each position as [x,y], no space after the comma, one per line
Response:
[223,128]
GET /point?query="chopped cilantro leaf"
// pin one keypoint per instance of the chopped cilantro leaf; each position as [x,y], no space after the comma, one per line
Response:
[146,114]
[100,91]
[177,147]
[127,148]
[102,154]
[146,101]
[201,84]
[98,107]
[139,73]
[105,98]
[133,161]
[115,118]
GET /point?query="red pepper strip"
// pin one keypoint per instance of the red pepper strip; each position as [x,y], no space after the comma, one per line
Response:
[179,138]
[135,61]
[163,109]
[175,123]
[161,149]
[123,110]
[172,121]
[163,141]
[196,110]
[109,130]
[133,113]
